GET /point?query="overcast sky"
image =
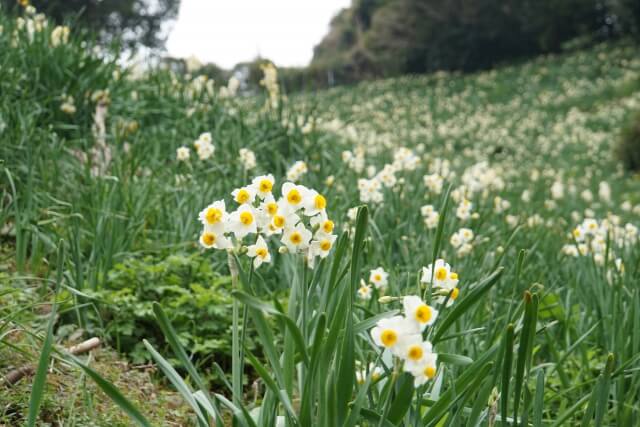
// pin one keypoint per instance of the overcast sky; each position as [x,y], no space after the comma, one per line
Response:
[230,31]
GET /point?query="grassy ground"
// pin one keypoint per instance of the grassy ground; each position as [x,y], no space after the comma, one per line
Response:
[90,163]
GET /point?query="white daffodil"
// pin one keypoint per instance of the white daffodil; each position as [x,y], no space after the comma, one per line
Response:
[417,311]
[321,244]
[375,372]
[466,234]
[259,252]
[313,203]
[243,221]
[210,238]
[414,352]
[182,154]
[292,197]
[296,238]
[379,278]
[205,137]
[284,221]
[263,185]
[391,332]
[427,210]
[214,216]
[438,272]
[323,223]
[364,291]
[269,206]
[426,371]
[244,195]
[205,151]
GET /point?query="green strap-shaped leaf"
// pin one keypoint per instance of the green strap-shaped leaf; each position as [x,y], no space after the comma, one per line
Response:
[289,323]
[179,383]
[271,384]
[466,302]
[39,381]
[538,403]
[402,401]
[507,363]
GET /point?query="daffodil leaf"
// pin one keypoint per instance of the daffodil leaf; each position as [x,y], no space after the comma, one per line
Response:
[454,359]
[461,307]
[403,399]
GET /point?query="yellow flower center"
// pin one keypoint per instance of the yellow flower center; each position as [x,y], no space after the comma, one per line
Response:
[278,221]
[325,245]
[389,337]
[576,233]
[272,208]
[327,226]
[208,238]
[320,202]
[265,186]
[242,196]
[377,277]
[415,352]
[430,372]
[453,276]
[294,197]
[246,218]
[262,252]
[423,313]
[213,215]
[454,293]
[295,238]
[441,273]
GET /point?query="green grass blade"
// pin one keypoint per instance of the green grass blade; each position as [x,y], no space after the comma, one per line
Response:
[172,338]
[112,392]
[270,382]
[178,383]
[39,381]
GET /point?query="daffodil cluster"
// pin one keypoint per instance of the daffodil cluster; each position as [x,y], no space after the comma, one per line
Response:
[402,335]
[371,188]
[592,237]
[297,171]
[270,82]
[443,279]
[461,240]
[430,216]
[298,217]
[203,145]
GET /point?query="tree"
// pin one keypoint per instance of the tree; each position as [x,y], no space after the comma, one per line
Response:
[135,22]
[390,37]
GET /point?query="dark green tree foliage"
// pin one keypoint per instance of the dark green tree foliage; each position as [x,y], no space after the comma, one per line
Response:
[628,146]
[136,22]
[389,37]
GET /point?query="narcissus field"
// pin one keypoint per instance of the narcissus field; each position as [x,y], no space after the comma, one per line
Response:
[438,250]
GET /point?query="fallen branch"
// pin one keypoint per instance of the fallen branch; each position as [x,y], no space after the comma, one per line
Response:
[17,374]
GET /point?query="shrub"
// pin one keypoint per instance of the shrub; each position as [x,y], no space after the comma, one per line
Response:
[196,299]
[628,148]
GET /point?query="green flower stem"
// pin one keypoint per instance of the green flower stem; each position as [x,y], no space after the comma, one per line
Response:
[236,362]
